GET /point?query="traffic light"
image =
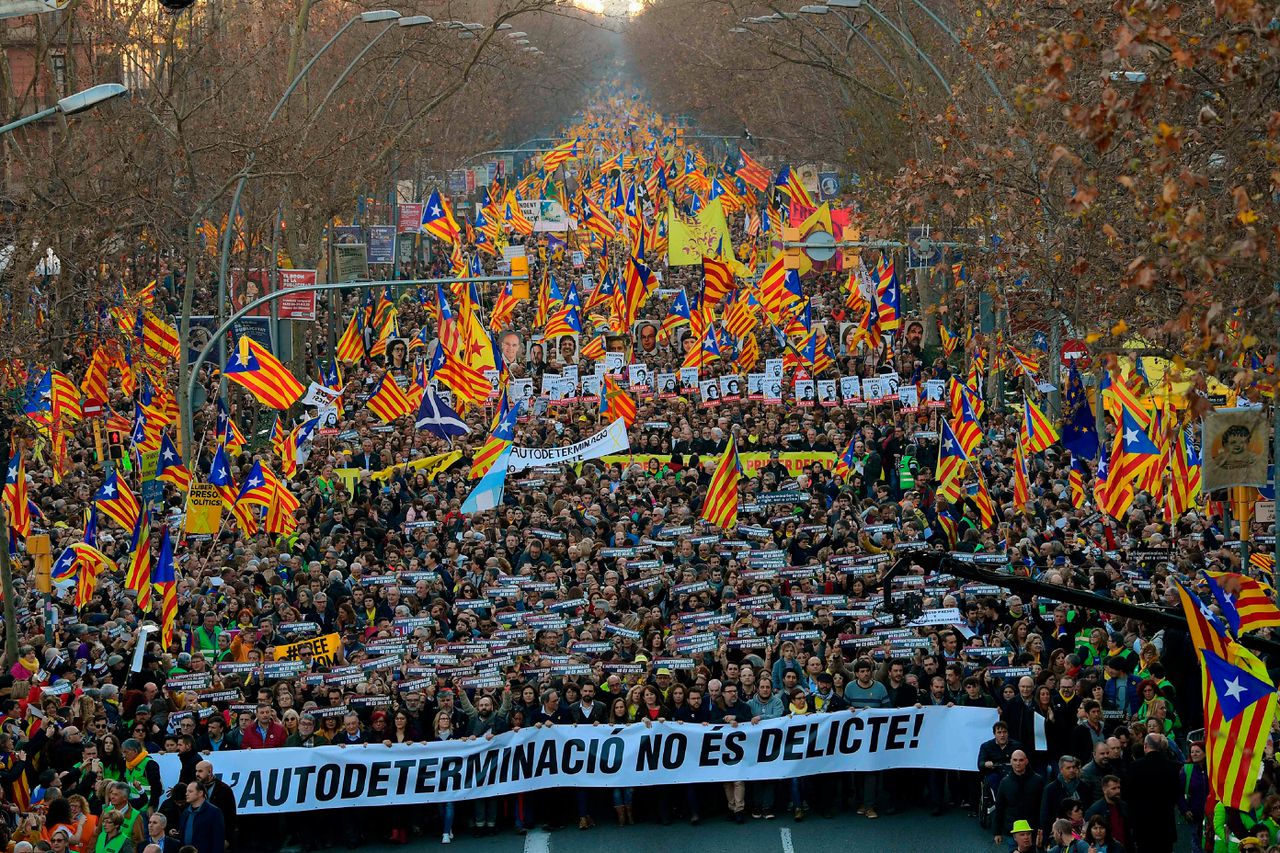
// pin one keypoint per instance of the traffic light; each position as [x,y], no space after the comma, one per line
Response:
[115,444]
[849,255]
[520,271]
[790,254]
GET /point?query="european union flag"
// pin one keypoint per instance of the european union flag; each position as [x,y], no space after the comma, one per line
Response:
[1079,432]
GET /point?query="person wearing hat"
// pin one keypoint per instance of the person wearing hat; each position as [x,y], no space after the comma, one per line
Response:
[1023,836]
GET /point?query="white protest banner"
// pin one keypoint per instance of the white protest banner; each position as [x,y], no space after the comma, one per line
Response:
[319,396]
[299,779]
[611,439]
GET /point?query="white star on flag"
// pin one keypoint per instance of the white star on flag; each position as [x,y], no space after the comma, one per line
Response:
[1234,688]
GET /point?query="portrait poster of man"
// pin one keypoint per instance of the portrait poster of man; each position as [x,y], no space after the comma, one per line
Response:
[913,338]
[511,345]
[1233,449]
[617,345]
[567,349]
[688,378]
[522,389]
[850,391]
[537,357]
[804,392]
[591,384]
[638,376]
[646,337]
[827,392]
[755,386]
[614,362]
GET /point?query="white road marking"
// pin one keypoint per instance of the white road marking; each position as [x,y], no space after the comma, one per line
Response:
[787,846]
[539,841]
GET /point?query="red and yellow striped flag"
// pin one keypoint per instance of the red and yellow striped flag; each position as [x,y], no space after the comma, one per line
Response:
[720,506]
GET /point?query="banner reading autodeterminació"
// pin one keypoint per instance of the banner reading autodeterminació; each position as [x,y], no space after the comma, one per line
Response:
[266,780]
[611,439]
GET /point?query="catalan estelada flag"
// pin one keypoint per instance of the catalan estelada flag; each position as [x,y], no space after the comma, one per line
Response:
[253,366]
[169,467]
[116,501]
[1239,704]
[952,461]
[1037,432]
[16,506]
[437,219]
[720,506]
[501,437]
[165,583]
[351,344]
[1245,604]
[389,401]
[138,578]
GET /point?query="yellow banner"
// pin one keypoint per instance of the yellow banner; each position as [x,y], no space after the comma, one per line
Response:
[324,650]
[688,242]
[432,466]
[204,509]
[752,463]
[148,463]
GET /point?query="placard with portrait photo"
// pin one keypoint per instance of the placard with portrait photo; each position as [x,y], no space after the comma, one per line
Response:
[805,392]
[1233,449]
[645,335]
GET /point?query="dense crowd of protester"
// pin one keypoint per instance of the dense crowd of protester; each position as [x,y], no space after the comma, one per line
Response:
[1095,751]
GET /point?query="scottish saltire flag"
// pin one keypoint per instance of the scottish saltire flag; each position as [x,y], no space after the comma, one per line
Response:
[438,417]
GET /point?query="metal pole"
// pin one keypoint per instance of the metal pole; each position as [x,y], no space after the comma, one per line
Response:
[991,84]
[225,254]
[10,608]
[22,122]
[220,333]
[346,72]
[907,40]
[1275,469]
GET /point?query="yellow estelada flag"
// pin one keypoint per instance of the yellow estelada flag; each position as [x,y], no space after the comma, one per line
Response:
[819,220]
[708,234]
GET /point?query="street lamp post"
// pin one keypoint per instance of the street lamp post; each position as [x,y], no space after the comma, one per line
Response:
[857,31]
[903,37]
[219,335]
[372,16]
[71,104]
[404,23]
